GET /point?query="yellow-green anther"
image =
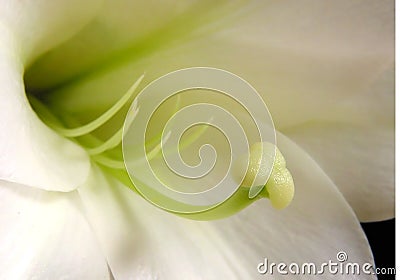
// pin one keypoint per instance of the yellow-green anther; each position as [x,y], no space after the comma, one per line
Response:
[259,167]
[280,186]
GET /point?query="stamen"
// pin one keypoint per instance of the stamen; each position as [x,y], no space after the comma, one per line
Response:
[177,104]
[280,186]
[156,139]
[196,135]
[113,141]
[45,114]
[112,163]
[87,128]
[153,152]
[131,116]
[117,164]
[157,149]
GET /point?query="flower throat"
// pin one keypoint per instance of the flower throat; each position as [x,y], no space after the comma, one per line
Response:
[108,155]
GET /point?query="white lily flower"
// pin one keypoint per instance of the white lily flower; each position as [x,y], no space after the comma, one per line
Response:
[325,69]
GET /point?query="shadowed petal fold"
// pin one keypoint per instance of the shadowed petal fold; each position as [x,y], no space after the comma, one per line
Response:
[45,236]
[30,152]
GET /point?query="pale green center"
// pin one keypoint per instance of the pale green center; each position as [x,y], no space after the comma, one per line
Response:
[108,154]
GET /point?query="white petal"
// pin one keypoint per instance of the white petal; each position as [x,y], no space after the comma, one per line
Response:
[311,59]
[306,59]
[358,152]
[41,25]
[143,242]
[45,236]
[31,153]
[360,160]
[331,27]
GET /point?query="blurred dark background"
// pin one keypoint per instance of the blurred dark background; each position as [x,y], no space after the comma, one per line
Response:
[381,237]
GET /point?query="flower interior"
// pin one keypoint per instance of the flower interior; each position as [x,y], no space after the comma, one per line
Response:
[108,154]
[101,136]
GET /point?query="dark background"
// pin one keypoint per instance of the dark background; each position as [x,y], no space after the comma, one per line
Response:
[381,237]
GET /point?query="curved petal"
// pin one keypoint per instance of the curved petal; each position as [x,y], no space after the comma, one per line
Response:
[295,54]
[309,58]
[358,156]
[44,236]
[141,241]
[41,25]
[331,27]
[123,30]
[359,159]
[31,153]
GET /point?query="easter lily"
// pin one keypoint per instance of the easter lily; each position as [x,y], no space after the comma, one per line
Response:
[325,69]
